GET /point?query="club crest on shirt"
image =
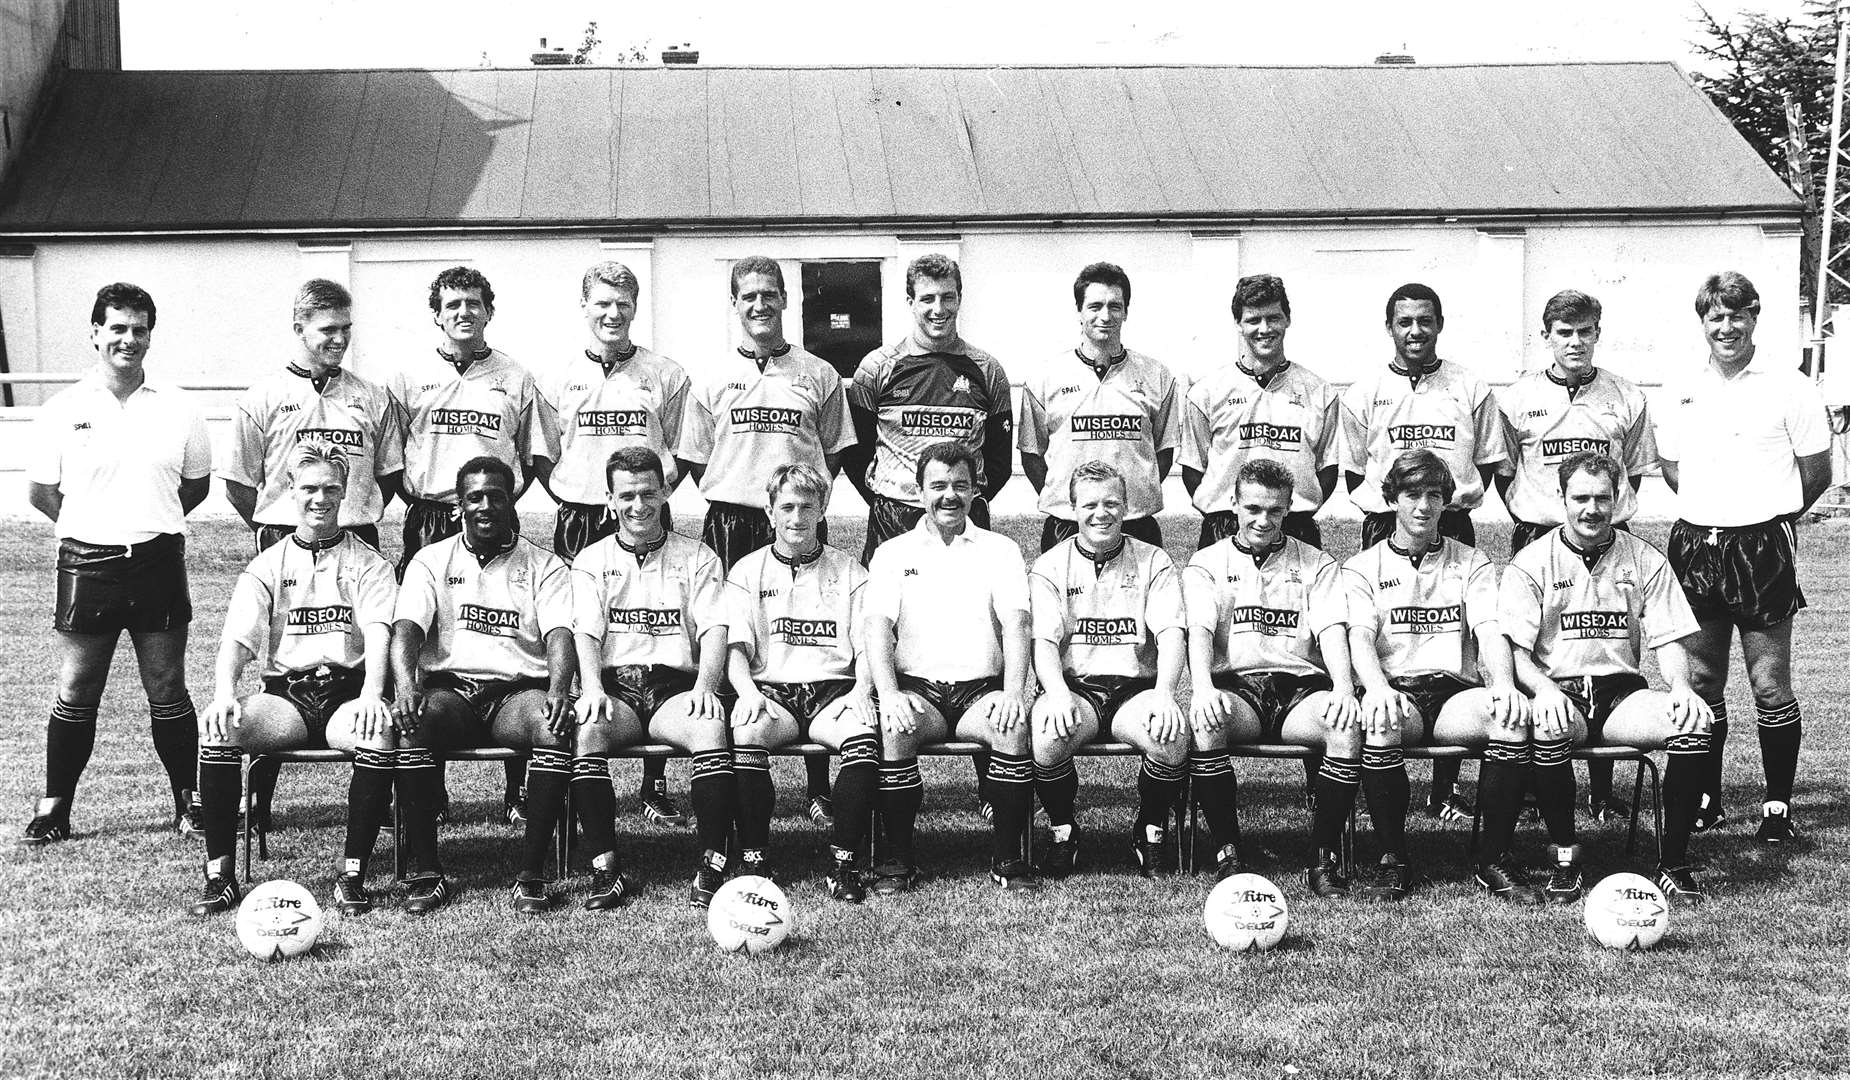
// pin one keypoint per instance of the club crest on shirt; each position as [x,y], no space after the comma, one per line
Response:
[961,386]
[1625,579]
[518,576]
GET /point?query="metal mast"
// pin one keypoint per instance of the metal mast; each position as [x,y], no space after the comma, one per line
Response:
[1834,221]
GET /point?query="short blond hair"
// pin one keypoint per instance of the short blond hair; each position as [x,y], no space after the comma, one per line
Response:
[319,451]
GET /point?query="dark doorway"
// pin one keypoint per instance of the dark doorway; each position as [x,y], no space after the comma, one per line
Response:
[841,311]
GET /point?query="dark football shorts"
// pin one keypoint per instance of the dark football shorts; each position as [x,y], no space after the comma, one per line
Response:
[316,694]
[734,531]
[1430,690]
[1107,694]
[805,700]
[109,588]
[1272,694]
[270,534]
[485,698]
[951,699]
[1054,530]
[426,522]
[1454,524]
[1528,532]
[1597,695]
[1299,525]
[1746,576]
[644,687]
[887,518]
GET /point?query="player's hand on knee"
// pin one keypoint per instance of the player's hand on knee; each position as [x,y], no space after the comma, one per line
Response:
[559,718]
[372,717]
[1554,714]
[1340,711]
[1006,712]
[1166,721]
[1509,709]
[1689,712]
[220,717]
[1211,709]
[408,710]
[1383,712]
[750,708]
[864,702]
[593,708]
[900,714]
[704,704]
[1059,713]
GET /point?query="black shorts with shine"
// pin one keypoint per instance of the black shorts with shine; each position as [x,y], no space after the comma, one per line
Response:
[485,698]
[644,687]
[951,699]
[734,531]
[426,522]
[1107,694]
[1272,694]
[887,518]
[805,700]
[1056,529]
[1299,525]
[1429,691]
[316,694]
[1597,695]
[1746,576]
[109,588]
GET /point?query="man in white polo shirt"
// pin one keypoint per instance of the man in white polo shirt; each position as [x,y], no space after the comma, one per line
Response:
[1100,402]
[1747,448]
[948,643]
[117,465]
[1260,406]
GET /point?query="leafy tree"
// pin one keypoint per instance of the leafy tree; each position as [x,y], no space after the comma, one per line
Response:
[633,53]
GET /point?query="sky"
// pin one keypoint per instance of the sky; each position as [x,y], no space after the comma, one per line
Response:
[475,33]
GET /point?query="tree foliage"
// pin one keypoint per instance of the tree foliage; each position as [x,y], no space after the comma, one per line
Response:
[636,52]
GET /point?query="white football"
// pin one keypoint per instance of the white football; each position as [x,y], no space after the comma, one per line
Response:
[278,920]
[1627,911]
[749,914]
[1246,912]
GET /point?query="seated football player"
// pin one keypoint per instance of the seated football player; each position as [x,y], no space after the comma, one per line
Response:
[482,656]
[1109,643]
[795,632]
[1268,647]
[315,612]
[947,641]
[1422,628]
[649,618]
[1578,605]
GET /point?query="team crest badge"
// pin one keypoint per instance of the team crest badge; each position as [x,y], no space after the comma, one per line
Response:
[1625,579]
[517,576]
[1294,577]
[1297,401]
[961,386]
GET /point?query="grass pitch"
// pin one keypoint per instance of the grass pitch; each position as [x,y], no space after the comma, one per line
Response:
[104,973]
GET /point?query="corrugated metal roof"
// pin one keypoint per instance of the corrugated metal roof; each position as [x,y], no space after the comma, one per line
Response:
[621,147]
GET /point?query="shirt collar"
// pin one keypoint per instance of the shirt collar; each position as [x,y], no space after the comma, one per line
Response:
[1112,362]
[764,361]
[1592,556]
[318,546]
[1100,559]
[1404,372]
[611,365]
[642,551]
[797,561]
[486,557]
[320,381]
[1438,545]
[461,364]
[1259,557]
[1269,377]
[913,347]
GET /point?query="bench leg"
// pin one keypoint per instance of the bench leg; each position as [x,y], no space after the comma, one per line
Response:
[247,820]
[1657,805]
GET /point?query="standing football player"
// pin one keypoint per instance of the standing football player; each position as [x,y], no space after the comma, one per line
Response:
[482,656]
[795,637]
[948,644]
[315,612]
[314,397]
[650,621]
[1422,626]
[117,463]
[1565,408]
[929,387]
[1260,406]
[1268,648]
[1110,641]
[1102,402]
[1421,401]
[620,394]
[1578,607]
[1747,449]
[770,405]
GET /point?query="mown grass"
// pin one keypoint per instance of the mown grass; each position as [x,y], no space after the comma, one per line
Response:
[104,974]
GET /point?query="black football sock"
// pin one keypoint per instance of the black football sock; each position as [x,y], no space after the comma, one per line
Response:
[1011,792]
[596,803]
[221,782]
[1158,786]
[176,741]
[712,792]
[1599,781]
[416,784]
[816,766]
[902,792]
[548,774]
[369,793]
[1337,780]
[1384,785]
[1444,780]
[1058,787]
[1551,777]
[1687,755]
[1781,731]
[1499,796]
[854,789]
[980,762]
[70,736]
[262,779]
[654,769]
[757,795]
[1718,739]
[515,772]
[1216,791]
